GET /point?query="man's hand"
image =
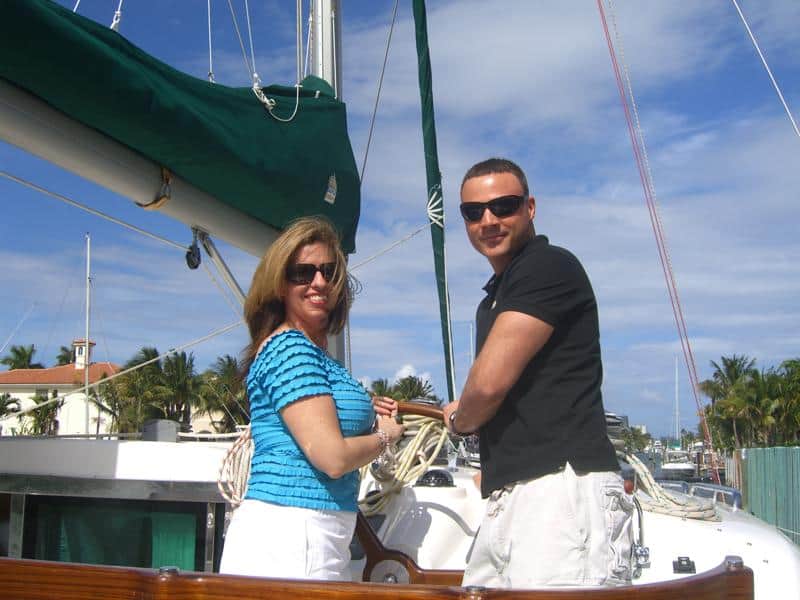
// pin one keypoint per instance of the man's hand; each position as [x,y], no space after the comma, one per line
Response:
[448,410]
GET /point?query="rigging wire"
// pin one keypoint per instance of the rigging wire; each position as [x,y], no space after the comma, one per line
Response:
[390,247]
[99,316]
[77,4]
[299,42]
[637,141]
[90,210]
[86,388]
[239,37]
[252,47]
[334,62]
[210,47]
[118,222]
[19,324]
[378,94]
[308,39]
[117,17]
[73,277]
[766,66]
[231,303]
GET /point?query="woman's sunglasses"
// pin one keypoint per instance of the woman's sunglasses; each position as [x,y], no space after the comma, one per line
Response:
[304,273]
[504,206]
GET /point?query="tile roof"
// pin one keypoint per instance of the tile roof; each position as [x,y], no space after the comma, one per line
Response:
[62,375]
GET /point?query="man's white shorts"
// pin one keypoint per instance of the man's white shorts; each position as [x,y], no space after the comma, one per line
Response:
[561,529]
[269,540]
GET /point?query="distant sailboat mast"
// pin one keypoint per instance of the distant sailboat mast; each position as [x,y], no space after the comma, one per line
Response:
[86,362]
[677,408]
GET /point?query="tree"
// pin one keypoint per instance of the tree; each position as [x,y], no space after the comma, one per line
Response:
[221,393]
[65,356]
[179,388]
[408,388]
[787,413]
[412,387]
[727,388]
[41,421]
[8,405]
[635,440]
[381,387]
[21,357]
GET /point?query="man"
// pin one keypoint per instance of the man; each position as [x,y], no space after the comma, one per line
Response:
[557,513]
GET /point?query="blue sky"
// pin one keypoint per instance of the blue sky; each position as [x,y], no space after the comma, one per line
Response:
[528,80]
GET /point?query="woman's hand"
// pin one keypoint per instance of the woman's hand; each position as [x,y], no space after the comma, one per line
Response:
[390,427]
[384,406]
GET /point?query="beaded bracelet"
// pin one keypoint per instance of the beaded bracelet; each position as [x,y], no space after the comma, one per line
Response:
[383,438]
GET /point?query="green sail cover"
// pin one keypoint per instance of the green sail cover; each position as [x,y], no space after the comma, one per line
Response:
[434,179]
[220,139]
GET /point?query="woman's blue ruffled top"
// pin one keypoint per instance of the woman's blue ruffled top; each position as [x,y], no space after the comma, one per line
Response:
[289,368]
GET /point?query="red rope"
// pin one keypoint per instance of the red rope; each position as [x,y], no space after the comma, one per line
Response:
[663,254]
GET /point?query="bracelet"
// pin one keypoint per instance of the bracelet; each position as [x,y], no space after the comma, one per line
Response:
[383,438]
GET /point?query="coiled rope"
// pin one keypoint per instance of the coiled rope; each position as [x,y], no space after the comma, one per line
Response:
[235,469]
[665,503]
[422,441]
[396,467]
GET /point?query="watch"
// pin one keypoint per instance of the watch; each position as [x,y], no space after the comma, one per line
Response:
[452,420]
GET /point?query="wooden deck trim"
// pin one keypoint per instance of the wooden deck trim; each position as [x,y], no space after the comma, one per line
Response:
[43,580]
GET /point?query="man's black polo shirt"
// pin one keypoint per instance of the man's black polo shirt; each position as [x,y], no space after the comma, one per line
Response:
[554,412]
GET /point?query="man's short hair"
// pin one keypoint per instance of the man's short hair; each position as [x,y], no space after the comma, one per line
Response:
[497,165]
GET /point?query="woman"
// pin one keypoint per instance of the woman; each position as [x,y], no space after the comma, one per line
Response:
[311,422]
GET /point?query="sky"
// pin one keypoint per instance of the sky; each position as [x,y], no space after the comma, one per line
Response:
[527,80]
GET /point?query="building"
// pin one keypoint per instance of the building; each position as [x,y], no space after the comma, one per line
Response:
[23,385]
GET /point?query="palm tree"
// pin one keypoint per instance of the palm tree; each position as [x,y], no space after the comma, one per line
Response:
[381,387]
[135,397]
[412,387]
[65,356]
[179,389]
[764,396]
[221,392]
[8,405]
[787,411]
[21,357]
[42,420]
[727,390]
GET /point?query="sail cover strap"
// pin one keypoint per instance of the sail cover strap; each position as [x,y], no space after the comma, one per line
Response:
[435,203]
[218,138]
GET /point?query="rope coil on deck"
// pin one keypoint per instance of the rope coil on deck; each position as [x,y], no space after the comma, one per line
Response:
[665,503]
[403,465]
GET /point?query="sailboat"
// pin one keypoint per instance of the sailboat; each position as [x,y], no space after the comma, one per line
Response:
[432,524]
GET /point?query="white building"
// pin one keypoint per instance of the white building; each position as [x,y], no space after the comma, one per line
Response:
[23,384]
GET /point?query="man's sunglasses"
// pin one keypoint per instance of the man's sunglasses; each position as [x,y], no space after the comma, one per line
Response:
[504,206]
[304,273]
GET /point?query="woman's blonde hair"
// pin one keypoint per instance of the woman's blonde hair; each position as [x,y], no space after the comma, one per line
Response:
[264,308]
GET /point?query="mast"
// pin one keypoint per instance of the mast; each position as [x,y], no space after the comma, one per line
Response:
[326,42]
[86,362]
[434,181]
[677,408]
[325,37]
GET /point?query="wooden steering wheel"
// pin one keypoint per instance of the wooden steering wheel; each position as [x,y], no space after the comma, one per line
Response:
[385,565]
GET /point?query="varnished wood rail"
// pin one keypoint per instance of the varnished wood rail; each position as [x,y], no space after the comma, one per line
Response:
[43,580]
